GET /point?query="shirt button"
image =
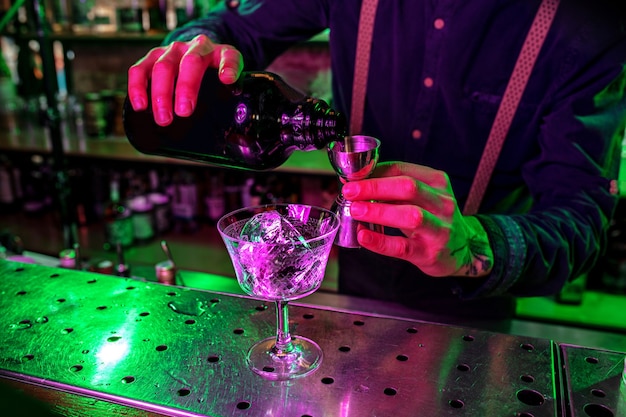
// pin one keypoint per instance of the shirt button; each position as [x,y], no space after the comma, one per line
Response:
[439,23]
[428,82]
[416,134]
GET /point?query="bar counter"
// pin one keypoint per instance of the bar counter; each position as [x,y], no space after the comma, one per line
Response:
[86,344]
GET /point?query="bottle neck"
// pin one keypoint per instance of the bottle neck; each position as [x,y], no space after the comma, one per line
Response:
[311,125]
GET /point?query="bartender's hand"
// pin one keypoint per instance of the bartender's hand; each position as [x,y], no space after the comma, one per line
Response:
[176,71]
[419,201]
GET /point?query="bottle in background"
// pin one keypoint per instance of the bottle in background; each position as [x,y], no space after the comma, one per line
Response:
[185,203]
[142,211]
[255,124]
[8,198]
[160,201]
[153,17]
[129,15]
[178,12]
[118,223]
[214,198]
[103,16]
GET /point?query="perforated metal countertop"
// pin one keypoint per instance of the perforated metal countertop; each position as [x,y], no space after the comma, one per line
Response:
[99,342]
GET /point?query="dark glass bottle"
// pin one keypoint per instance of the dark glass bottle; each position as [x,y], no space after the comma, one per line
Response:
[254,124]
[118,222]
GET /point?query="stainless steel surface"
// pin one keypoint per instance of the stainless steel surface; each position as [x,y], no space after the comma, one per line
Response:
[595,387]
[353,159]
[180,352]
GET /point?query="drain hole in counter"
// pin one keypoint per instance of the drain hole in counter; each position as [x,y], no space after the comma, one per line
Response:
[344,348]
[463,367]
[598,393]
[327,380]
[243,405]
[55,276]
[128,380]
[183,392]
[527,378]
[598,410]
[213,358]
[76,368]
[592,360]
[161,348]
[527,347]
[530,397]
[238,330]
[456,403]
[468,338]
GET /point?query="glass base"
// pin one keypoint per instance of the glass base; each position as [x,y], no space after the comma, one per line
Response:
[305,358]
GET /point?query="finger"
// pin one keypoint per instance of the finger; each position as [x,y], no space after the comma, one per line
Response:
[192,67]
[390,215]
[164,74]
[138,78]
[433,177]
[392,246]
[404,190]
[383,189]
[230,66]
[415,222]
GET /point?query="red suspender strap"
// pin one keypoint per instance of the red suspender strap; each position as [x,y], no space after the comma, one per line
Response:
[510,100]
[362,64]
[508,106]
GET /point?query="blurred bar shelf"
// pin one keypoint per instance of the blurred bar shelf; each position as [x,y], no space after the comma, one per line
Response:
[149,37]
[76,145]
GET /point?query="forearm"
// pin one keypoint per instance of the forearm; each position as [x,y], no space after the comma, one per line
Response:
[260,30]
[480,257]
[536,254]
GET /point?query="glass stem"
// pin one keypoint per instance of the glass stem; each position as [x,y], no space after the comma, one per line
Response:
[283,338]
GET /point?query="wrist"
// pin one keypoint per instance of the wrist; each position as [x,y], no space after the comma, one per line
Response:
[479,258]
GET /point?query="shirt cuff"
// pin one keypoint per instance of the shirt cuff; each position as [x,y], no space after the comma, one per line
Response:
[509,255]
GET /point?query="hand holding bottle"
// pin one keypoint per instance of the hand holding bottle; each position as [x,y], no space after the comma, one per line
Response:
[174,74]
[420,202]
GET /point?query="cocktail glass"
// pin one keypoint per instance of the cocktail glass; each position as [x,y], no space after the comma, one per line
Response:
[279,253]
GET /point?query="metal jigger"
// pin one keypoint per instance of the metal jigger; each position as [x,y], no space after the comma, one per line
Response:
[353,159]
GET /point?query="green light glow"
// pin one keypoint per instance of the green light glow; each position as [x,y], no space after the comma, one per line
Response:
[112,352]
